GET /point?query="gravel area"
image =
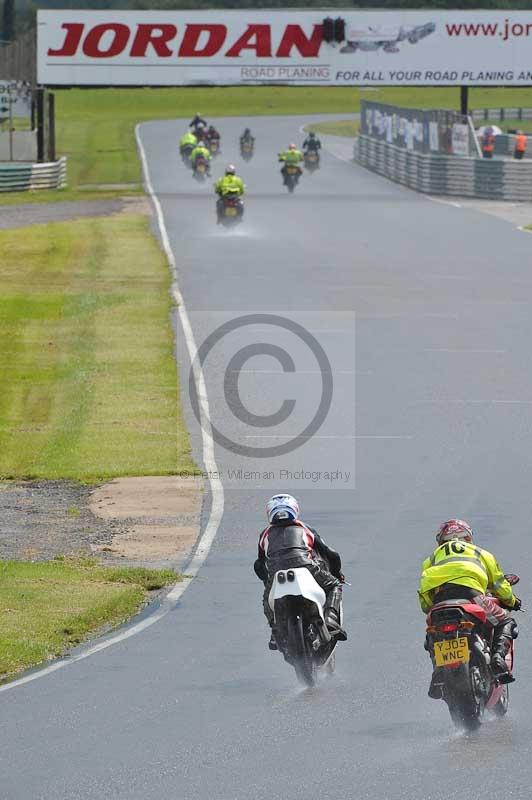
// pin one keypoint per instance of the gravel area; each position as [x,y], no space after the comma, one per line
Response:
[43,519]
[35,213]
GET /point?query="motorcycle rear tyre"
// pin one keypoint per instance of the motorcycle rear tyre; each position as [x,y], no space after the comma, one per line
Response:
[299,651]
[465,707]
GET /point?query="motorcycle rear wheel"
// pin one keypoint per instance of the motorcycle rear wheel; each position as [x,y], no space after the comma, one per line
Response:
[464,699]
[304,665]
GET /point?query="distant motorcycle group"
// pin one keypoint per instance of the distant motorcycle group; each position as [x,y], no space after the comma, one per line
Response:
[198,146]
[202,142]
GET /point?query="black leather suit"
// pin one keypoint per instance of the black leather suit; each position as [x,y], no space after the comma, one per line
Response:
[288,546]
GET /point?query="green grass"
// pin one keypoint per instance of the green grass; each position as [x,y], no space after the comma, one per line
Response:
[508,124]
[88,384]
[45,608]
[341,127]
[95,126]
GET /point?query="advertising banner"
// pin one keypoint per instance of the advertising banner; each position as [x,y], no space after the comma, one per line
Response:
[460,139]
[435,131]
[389,48]
[15,99]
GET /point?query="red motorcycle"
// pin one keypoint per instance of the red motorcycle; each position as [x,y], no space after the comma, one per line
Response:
[200,168]
[230,209]
[459,640]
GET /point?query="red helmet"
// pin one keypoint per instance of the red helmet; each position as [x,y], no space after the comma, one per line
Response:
[454,529]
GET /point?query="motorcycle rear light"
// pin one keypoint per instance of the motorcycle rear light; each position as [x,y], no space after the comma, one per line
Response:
[467,624]
[281,577]
[449,627]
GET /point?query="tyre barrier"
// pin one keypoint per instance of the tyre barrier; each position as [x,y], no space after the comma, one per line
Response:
[17,176]
[445,174]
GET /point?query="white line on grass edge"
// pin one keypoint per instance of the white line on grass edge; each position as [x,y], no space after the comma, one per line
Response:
[217,492]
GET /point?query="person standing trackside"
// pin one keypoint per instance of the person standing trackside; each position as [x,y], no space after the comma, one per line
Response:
[488,143]
[520,145]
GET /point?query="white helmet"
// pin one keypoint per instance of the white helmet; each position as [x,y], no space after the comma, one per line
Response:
[282,507]
[292,146]
[230,169]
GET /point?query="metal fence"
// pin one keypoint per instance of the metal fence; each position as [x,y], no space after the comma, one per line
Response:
[501,179]
[435,131]
[36,115]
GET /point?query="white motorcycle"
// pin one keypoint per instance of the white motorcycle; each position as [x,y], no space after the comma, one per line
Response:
[297,602]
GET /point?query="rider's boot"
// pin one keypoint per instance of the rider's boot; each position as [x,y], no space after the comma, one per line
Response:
[502,643]
[435,691]
[332,614]
[272,644]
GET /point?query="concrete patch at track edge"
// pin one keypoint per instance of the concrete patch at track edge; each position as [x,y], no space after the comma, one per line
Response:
[217,494]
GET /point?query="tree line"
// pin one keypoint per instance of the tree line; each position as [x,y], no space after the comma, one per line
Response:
[18,16]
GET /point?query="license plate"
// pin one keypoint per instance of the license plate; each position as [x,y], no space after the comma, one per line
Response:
[230,212]
[451,651]
[291,170]
[201,168]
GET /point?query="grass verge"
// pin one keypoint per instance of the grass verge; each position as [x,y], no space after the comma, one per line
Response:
[341,127]
[95,126]
[46,608]
[66,194]
[88,383]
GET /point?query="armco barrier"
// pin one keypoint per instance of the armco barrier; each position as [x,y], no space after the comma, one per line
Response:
[19,176]
[505,145]
[447,175]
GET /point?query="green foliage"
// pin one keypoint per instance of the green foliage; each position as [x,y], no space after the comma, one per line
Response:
[277,4]
[8,21]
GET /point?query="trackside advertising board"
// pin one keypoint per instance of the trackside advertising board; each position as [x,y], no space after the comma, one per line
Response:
[392,48]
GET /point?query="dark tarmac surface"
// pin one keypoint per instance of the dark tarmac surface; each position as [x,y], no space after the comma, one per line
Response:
[436,302]
[24,214]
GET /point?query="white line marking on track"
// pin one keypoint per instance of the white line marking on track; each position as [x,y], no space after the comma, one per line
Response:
[465,350]
[217,492]
[314,436]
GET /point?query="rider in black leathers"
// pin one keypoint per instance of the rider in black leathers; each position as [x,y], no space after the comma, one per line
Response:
[287,543]
[312,143]
[198,125]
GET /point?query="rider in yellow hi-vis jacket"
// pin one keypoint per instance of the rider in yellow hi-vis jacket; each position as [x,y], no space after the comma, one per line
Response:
[458,569]
[291,157]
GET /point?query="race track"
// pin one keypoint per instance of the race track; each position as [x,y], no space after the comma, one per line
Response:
[434,301]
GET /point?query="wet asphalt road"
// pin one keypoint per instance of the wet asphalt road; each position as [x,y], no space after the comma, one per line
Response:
[423,312]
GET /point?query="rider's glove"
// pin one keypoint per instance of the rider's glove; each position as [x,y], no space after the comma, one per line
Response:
[341,577]
[517,605]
